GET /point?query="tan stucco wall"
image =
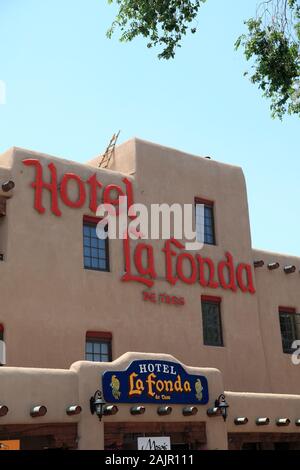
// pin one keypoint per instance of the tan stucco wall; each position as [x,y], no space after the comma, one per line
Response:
[23,388]
[255,405]
[49,301]
[277,289]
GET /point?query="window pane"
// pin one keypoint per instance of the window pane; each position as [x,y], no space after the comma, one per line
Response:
[212,332]
[94,243]
[101,244]
[288,330]
[98,350]
[102,264]
[205,222]
[94,250]
[102,254]
[87,251]
[87,241]
[93,232]
[209,240]
[209,232]
[86,230]
[297,325]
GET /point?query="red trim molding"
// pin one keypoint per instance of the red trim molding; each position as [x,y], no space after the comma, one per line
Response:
[107,335]
[207,202]
[287,310]
[90,219]
[211,298]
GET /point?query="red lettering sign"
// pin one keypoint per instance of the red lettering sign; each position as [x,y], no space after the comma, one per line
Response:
[39,185]
[180,266]
[229,277]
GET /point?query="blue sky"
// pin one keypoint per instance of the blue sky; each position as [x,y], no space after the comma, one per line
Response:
[69,89]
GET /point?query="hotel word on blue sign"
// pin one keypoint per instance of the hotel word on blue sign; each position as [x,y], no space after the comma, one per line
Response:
[154,382]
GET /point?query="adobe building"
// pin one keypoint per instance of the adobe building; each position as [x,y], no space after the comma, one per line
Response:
[217,322]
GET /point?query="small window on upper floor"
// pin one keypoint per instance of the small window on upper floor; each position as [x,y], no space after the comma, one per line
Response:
[211,321]
[98,346]
[95,250]
[205,223]
[289,327]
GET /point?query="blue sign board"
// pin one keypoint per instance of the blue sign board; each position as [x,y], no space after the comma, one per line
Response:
[152,381]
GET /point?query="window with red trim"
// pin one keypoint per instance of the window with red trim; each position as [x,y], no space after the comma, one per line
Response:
[289,328]
[1,332]
[205,223]
[95,250]
[211,321]
[98,346]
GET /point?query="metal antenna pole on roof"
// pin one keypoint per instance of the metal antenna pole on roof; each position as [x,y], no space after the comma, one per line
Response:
[106,157]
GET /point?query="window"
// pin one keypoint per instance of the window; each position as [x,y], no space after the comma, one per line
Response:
[205,221]
[290,328]
[211,320]
[95,250]
[98,347]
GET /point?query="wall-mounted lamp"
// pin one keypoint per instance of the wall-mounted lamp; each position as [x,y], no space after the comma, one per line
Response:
[137,410]
[38,411]
[73,410]
[220,408]
[259,263]
[262,421]
[272,266]
[97,404]
[283,421]
[164,410]
[189,411]
[289,269]
[3,410]
[8,186]
[241,420]
[297,422]
[100,407]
